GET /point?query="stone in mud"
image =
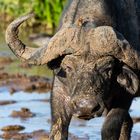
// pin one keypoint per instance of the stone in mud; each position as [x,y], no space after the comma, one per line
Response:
[37,135]
[15,136]
[7,102]
[40,135]
[12,128]
[136,119]
[23,113]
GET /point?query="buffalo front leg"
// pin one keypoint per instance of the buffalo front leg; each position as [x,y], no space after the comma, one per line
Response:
[59,129]
[126,128]
[111,129]
[61,114]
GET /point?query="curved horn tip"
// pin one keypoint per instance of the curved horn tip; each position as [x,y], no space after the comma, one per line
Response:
[17,22]
[11,36]
[12,27]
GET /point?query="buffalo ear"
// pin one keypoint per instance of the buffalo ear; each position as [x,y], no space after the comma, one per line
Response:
[129,80]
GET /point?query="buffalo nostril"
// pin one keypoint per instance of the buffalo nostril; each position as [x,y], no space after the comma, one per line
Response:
[96,108]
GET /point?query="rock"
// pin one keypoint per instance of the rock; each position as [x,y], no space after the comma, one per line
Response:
[16,136]
[40,135]
[23,113]
[12,128]
[7,102]
[36,135]
[136,119]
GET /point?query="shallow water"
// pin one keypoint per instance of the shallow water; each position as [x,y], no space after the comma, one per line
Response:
[84,130]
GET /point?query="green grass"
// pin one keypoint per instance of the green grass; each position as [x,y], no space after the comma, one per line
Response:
[47,11]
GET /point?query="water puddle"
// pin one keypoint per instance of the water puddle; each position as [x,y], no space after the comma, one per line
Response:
[32,101]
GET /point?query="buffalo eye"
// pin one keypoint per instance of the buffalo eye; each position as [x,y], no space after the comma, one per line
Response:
[63,71]
[68,69]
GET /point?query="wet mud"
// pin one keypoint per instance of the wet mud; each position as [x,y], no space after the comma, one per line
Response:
[22,82]
[18,82]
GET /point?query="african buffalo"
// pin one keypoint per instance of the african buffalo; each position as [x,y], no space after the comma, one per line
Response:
[95,58]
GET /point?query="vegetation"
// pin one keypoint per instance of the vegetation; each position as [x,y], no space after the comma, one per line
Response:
[47,11]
